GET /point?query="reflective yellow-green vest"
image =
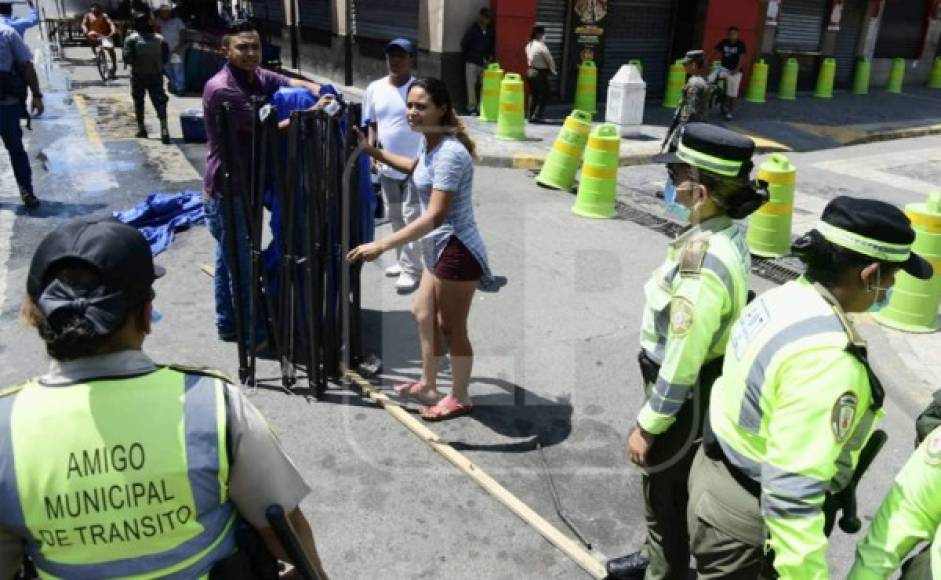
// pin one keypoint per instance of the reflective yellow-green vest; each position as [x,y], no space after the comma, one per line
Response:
[909,515]
[791,411]
[691,302]
[118,477]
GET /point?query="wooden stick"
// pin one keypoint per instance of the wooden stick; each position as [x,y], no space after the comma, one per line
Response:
[569,547]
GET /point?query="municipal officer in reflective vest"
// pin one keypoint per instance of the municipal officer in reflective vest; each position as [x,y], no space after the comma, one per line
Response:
[692,299]
[909,515]
[796,401]
[112,465]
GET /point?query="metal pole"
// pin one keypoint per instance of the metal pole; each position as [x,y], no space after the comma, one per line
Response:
[294,37]
[348,45]
[313,298]
[288,256]
[231,241]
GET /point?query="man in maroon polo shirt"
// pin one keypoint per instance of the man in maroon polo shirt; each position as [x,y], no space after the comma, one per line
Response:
[239,80]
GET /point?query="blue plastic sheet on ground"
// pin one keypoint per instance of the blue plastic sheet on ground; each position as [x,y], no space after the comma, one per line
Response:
[161,215]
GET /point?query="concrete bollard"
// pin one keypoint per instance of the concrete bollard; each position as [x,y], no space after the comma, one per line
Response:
[769,228]
[511,124]
[490,93]
[861,77]
[896,76]
[558,172]
[935,81]
[676,78]
[758,83]
[913,304]
[586,88]
[824,88]
[597,188]
[787,89]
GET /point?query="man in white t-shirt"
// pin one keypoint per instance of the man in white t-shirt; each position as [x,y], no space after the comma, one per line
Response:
[385,112]
[171,28]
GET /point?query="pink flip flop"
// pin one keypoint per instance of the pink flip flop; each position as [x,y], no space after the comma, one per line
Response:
[446,408]
[413,392]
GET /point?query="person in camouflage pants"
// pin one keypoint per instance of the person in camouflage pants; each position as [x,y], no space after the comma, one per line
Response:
[695,104]
[147,54]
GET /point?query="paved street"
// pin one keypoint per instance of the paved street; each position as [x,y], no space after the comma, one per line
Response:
[556,349]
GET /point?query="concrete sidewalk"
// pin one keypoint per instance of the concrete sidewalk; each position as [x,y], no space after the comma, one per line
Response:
[804,124]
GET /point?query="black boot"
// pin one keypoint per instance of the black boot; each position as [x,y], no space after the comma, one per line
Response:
[141,127]
[630,567]
[164,132]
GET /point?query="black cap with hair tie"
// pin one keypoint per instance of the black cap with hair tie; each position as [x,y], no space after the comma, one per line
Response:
[117,252]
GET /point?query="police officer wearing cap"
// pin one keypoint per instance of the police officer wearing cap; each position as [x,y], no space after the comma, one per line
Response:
[796,401]
[112,465]
[909,515]
[692,299]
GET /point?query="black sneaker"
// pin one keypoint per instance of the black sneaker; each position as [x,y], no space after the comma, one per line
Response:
[630,567]
[141,134]
[29,199]
[165,137]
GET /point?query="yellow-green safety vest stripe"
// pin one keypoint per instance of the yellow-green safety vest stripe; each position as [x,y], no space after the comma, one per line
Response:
[713,298]
[909,515]
[791,411]
[138,486]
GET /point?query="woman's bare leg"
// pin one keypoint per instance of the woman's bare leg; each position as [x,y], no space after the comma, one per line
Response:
[429,333]
[453,301]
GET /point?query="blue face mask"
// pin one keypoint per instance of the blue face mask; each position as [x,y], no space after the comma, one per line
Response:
[669,197]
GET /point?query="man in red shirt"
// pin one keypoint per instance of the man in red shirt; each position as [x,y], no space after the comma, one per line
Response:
[241,79]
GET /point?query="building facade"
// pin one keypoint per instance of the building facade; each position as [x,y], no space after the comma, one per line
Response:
[344,39]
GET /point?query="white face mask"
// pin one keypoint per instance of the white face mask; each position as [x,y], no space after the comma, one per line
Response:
[882,293]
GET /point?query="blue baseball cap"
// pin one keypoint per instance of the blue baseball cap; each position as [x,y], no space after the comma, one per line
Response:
[402,43]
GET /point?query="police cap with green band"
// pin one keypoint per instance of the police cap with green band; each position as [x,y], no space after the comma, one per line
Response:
[875,229]
[711,148]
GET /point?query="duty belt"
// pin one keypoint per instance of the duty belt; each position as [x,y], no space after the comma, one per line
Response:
[713,450]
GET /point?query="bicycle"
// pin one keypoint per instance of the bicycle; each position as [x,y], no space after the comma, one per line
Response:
[101,46]
[717,91]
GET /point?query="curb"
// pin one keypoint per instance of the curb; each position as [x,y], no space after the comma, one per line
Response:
[892,134]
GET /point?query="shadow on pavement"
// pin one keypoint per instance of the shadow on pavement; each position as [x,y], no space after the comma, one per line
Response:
[50,208]
[519,413]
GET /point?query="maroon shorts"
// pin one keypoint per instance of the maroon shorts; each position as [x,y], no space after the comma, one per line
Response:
[457,263]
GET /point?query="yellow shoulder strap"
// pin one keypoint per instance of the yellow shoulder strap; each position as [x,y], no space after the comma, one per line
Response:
[204,371]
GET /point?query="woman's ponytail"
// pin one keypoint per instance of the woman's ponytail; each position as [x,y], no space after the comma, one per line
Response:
[461,134]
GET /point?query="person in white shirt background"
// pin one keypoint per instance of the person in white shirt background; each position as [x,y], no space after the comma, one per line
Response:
[171,28]
[385,112]
[539,65]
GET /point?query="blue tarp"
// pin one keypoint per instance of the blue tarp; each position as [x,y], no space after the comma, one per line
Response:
[161,215]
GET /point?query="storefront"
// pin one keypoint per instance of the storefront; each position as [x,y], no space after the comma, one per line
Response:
[902,29]
[641,30]
[848,40]
[800,26]
[386,19]
[316,21]
[610,32]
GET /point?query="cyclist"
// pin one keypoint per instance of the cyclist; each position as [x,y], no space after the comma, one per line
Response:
[99,29]
[731,51]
